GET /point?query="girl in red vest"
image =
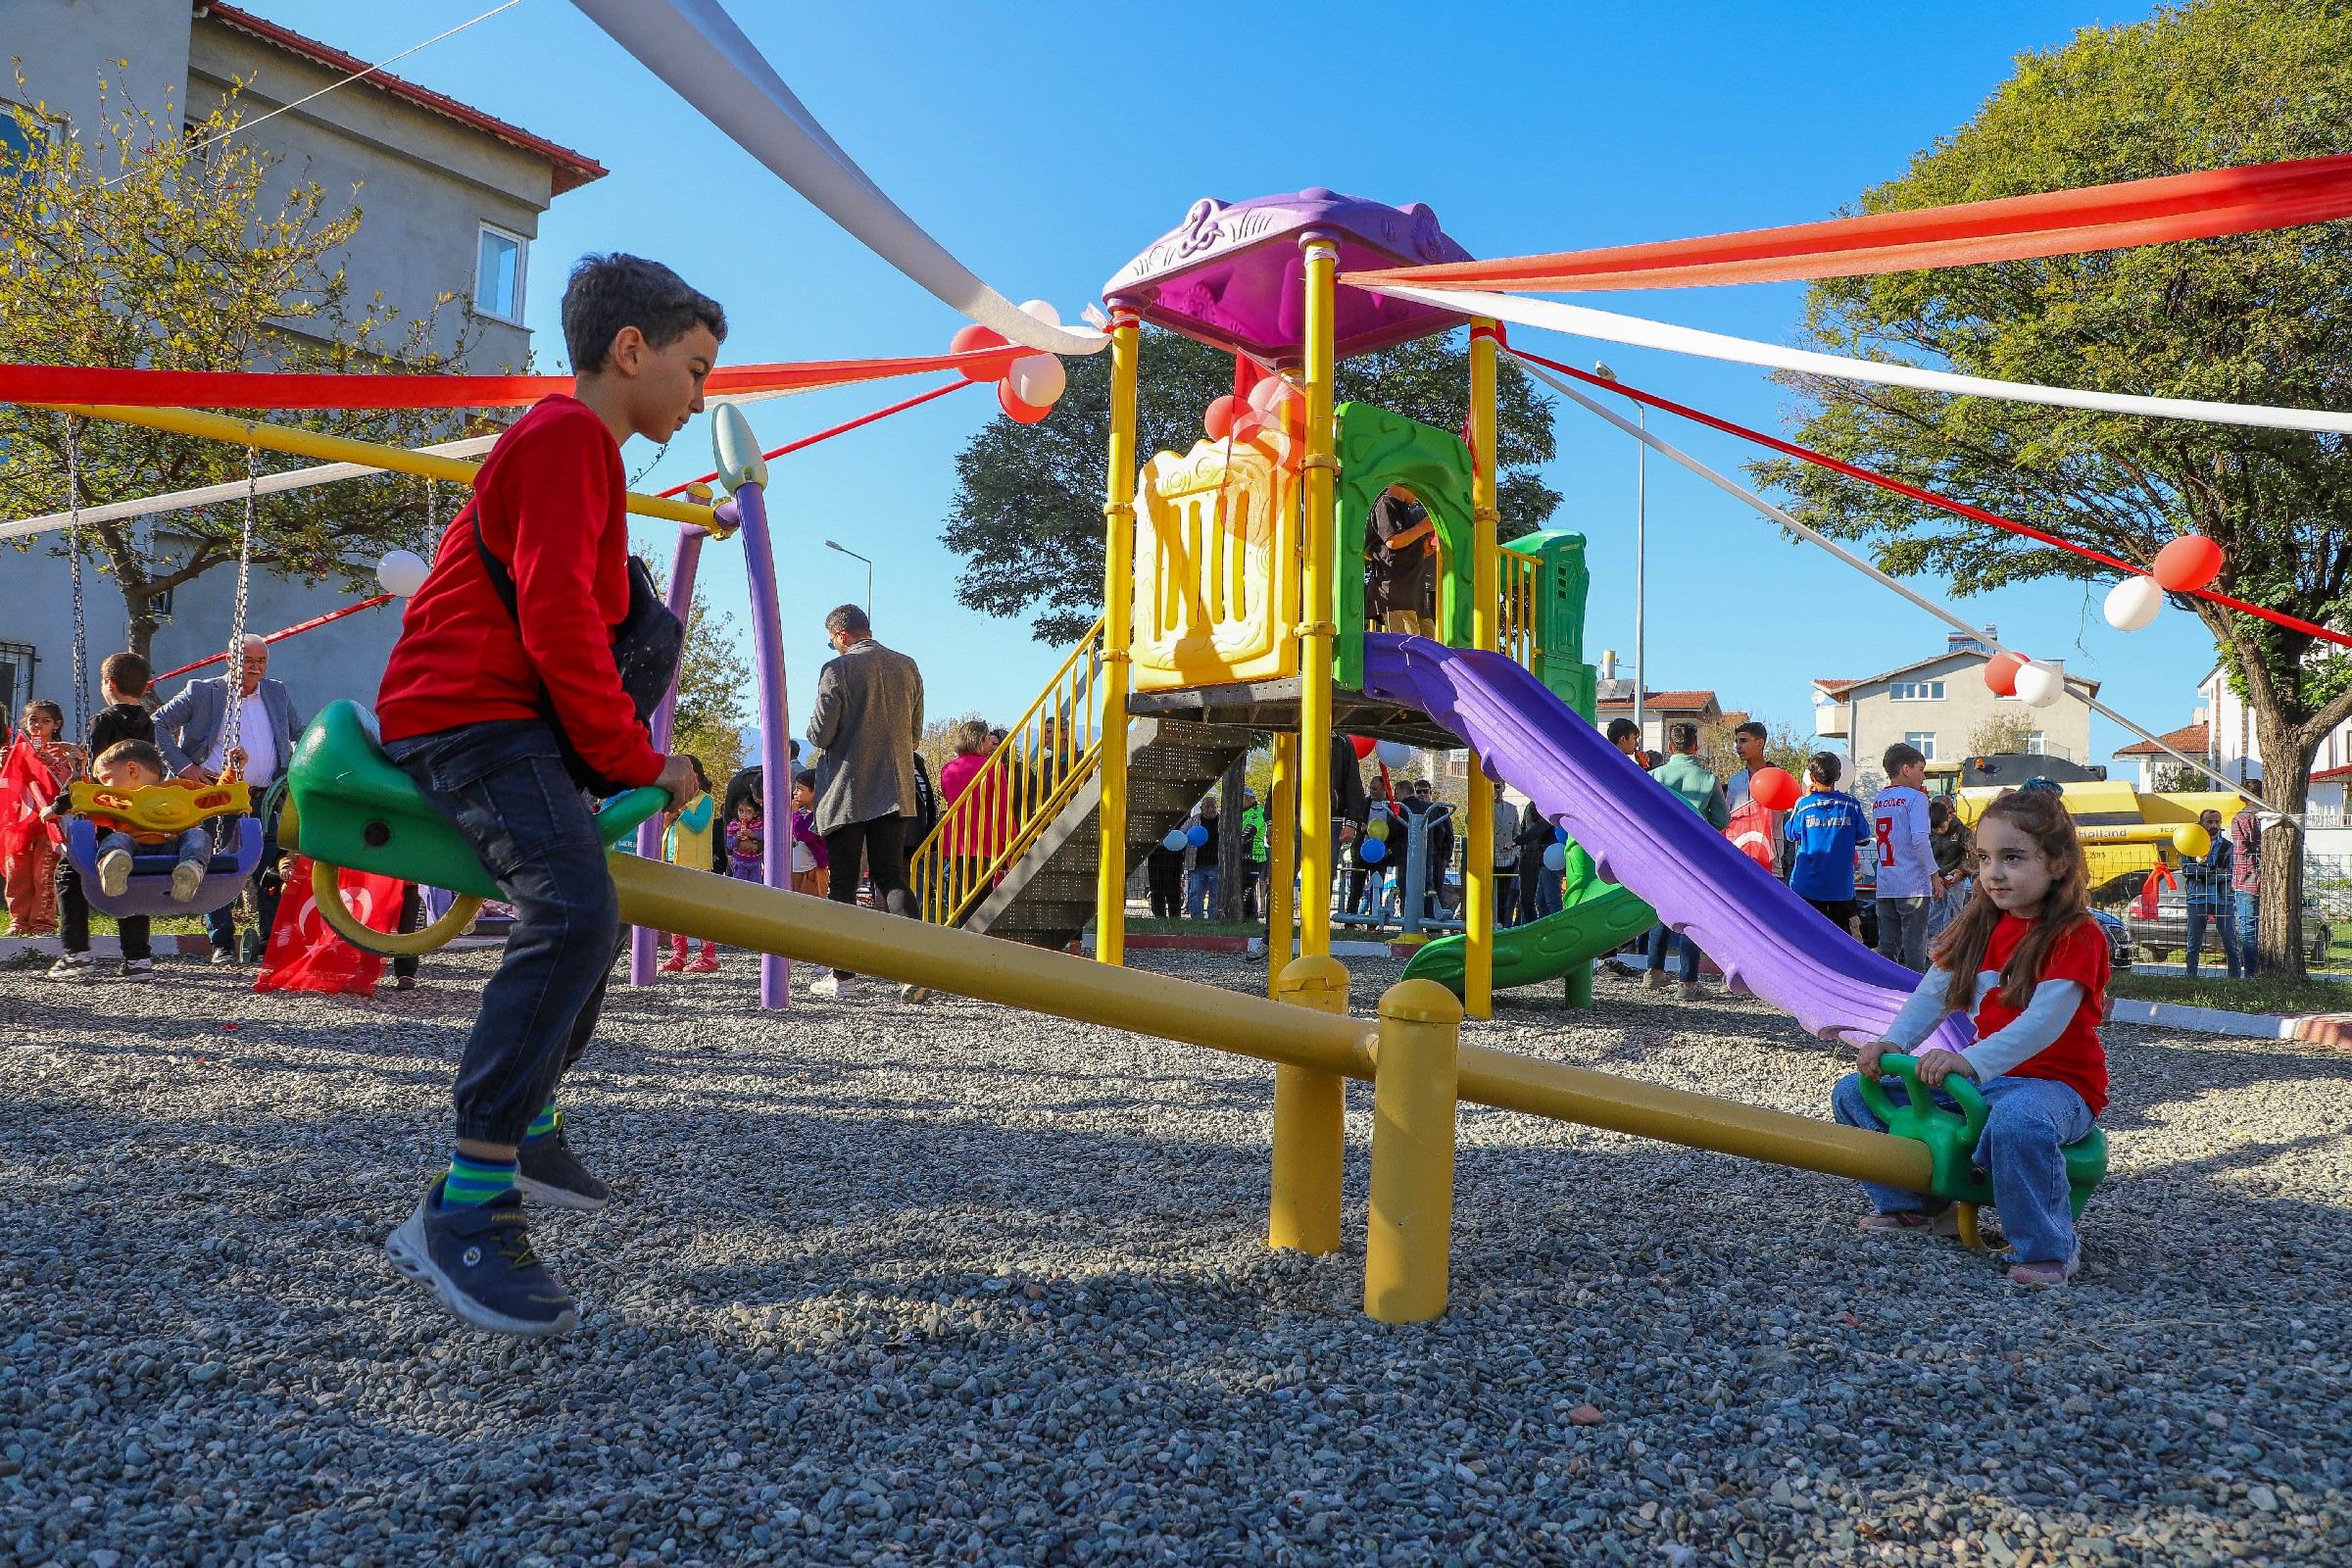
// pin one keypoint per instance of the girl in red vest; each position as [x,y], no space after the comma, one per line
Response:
[2026,959]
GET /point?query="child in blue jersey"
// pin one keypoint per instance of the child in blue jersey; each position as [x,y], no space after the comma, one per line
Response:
[1825,827]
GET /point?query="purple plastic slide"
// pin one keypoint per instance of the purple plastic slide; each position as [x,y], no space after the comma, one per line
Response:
[1768,940]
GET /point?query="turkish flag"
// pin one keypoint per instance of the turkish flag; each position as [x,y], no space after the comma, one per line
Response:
[305,953]
[1751,831]
[26,786]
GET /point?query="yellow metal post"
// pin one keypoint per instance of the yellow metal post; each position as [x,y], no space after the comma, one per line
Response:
[1309,1120]
[1486,591]
[1415,1079]
[1316,628]
[1282,858]
[1119,601]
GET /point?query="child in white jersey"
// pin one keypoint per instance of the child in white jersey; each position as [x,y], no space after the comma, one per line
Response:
[2026,959]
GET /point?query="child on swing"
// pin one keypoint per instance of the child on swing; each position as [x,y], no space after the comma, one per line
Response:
[132,766]
[2026,958]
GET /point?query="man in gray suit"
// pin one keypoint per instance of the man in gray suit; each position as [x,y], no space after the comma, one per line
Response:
[192,730]
[868,717]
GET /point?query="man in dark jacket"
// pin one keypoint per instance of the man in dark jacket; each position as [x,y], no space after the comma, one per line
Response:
[867,722]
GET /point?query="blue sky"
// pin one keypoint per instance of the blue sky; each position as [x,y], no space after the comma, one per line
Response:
[1046,144]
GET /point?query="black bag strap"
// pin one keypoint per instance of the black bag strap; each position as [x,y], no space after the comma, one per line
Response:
[502,581]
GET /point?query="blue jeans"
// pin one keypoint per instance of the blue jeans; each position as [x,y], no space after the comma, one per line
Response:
[196,844]
[1201,902]
[1688,969]
[2225,927]
[222,925]
[502,785]
[2029,1121]
[2250,929]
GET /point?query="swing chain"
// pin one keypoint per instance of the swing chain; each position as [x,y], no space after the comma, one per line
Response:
[82,641]
[231,767]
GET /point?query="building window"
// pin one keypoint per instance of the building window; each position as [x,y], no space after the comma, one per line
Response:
[498,274]
[16,661]
[2033,745]
[1916,691]
[1921,741]
[20,147]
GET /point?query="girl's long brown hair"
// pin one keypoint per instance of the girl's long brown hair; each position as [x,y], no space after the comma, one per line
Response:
[2041,815]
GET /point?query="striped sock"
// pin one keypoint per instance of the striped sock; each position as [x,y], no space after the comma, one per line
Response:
[542,1123]
[476,1180]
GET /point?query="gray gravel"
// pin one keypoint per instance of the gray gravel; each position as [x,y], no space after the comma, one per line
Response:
[885,1284]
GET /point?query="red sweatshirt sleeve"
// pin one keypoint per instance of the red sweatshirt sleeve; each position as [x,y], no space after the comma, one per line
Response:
[563,501]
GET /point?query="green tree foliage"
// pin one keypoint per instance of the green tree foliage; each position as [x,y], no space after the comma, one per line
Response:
[2263,318]
[137,244]
[1028,513]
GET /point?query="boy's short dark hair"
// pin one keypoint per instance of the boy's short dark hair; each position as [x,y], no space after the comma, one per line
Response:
[127,674]
[143,754]
[1824,768]
[609,292]
[1682,737]
[1751,727]
[847,619]
[1902,754]
[806,776]
[1621,729]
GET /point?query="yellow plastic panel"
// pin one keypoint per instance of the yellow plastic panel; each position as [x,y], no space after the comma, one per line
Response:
[1216,570]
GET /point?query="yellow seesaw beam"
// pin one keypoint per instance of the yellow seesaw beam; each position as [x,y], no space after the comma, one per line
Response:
[343,449]
[808,930]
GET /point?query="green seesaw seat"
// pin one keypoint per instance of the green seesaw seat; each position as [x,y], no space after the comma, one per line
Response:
[1952,1137]
[349,806]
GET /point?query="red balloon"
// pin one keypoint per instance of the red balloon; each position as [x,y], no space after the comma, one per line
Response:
[1773,789]
[976,336]
[1217,419]
[1363,745]
[1015,410]
[2190,562]
[2000,673]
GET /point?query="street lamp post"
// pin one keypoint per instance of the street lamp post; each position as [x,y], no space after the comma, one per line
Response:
[1640,554]
[869,581]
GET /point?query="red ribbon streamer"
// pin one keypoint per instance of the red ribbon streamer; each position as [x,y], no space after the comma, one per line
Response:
[297,627]
[2139,211]
[270,389]
[840,430]
[1925,497]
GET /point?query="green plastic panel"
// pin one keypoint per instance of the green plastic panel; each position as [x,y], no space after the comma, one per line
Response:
[1376,449]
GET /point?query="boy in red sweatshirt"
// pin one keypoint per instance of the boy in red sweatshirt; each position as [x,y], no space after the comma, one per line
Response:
[465,710]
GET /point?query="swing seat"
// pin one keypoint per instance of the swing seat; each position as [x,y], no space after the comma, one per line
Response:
[172,807]
[1952,1137]
[150,889]
[347,804]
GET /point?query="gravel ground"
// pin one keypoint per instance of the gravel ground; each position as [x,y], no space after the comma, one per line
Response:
[887,1284]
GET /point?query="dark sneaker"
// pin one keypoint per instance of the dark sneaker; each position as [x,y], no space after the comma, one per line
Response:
[550,1174]
[74,968]
[477,1258]
[137,970]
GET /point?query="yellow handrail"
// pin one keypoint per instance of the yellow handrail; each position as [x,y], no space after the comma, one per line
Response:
[1046,758]
[1521,573]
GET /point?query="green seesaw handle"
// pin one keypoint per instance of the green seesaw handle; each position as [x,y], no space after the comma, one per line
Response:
[626,814]
[1951,1136]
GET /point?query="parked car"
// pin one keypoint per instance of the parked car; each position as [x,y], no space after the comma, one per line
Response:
[2168,933]
[2119,938]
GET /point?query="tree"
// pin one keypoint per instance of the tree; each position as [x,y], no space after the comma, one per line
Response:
[2001,735]
[1785,747]
[2258,318]
[1028,512]
[144,246]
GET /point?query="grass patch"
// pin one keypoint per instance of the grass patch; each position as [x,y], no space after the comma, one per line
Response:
[1196,928]
[2235,995]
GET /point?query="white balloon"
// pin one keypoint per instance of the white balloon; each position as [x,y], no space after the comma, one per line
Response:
[2039,685]
[1041,311]
[1395,754]
[1037,379]
[401,572]
[2133,603]
[1263,394]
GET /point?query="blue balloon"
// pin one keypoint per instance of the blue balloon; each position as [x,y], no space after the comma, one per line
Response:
[1196,835]
[1371,851]
[1556,857]
[1175,841]
[1559,835]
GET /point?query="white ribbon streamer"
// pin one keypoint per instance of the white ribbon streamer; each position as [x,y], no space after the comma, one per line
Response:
[695,47]
[1733,487]
[1581,321]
